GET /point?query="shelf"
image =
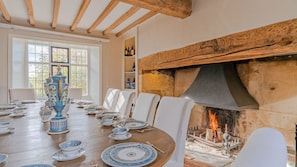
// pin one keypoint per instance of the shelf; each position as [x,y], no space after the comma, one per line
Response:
[129,63]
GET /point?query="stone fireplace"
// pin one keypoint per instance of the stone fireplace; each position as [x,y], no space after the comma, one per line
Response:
[266,63]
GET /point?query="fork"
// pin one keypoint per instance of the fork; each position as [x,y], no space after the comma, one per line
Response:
[157,148]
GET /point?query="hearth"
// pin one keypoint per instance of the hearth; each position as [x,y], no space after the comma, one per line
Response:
[219,130]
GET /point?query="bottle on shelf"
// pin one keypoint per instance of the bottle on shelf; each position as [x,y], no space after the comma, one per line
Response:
[128,83]
[132,51]
[129,52]
[126,51]
[132,85]
[133,67]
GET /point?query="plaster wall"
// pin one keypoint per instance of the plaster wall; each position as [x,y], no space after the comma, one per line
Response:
[209,20]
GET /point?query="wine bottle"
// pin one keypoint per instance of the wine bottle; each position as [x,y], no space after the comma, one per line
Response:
[129,52]
[133,67]
[128,82]
[126,52]
[132,51]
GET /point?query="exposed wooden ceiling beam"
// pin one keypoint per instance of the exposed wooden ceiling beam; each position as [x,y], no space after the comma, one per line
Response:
[5,13]
[107,10]
[135,23]
[55,13]
[30,11]
[176,8]
[120,20]
[80,14]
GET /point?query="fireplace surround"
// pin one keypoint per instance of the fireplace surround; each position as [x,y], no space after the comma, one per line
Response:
[271,81]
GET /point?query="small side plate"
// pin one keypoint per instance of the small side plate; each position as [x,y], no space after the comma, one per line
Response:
[59,156]
[3,158]
[8,130]
[120,137]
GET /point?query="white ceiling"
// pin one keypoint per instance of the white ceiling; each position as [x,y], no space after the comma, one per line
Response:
[43,14]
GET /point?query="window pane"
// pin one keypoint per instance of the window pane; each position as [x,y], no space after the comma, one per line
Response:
[79,56]
[37,73]
[60,55]
[78,78]
[38,53]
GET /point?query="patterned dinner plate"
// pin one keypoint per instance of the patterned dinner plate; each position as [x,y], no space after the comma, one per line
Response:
[102,114]
[130,154]
[4,112]
[6,106]
[133,124]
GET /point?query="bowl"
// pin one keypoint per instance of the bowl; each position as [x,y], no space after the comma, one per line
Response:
[71,147]
[120,131]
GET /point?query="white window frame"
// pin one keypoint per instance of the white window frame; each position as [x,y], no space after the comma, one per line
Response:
[94,63]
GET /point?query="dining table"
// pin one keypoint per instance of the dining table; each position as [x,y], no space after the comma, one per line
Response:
[31,143]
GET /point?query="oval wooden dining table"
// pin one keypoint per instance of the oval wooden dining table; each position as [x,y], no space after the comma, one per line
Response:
[31,144]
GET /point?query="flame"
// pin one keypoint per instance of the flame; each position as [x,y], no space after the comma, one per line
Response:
[213,122]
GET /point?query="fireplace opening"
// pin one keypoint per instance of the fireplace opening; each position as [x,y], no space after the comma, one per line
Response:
[219,131]
[221,120]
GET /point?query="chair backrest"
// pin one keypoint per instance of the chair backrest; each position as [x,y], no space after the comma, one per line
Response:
[124,103]
[111,98]
[21,94]
[265,147]
[173,114]
[75,93]
[145,107]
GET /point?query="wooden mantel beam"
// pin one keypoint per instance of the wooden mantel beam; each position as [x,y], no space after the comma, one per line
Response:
[176,8]
[275,39]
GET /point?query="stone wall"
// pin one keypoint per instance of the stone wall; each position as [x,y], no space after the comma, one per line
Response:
[272,83]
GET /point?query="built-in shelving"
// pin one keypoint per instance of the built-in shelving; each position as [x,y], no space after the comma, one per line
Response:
[130,64]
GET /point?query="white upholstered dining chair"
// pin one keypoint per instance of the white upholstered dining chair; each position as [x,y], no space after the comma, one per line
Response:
[22,94]
[265,147]
[124,104]
[173,114]
[75,93]
[111,98]
[145,107]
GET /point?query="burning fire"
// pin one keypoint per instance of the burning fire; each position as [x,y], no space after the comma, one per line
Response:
[213,122]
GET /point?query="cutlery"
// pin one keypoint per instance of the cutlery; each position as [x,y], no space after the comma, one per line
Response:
[157,148]
[143,130]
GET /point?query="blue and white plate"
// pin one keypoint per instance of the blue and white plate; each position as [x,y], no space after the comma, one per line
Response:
[8,130]
[38,165]
[120,137]
[108,113]
[6,106]
[130,154]
[3,158]
[133,124]
[5,112]
[59,156]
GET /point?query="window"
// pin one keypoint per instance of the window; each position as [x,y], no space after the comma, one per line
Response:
[38,67]
[31,62]
[43,61]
